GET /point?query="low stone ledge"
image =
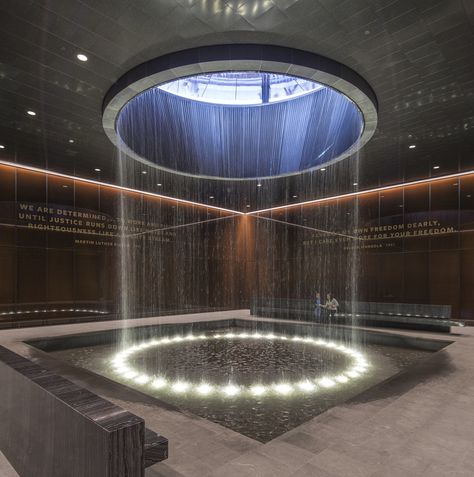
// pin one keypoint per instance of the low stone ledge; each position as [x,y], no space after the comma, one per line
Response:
[51,427]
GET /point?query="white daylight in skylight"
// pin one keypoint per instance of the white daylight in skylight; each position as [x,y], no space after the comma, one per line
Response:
[241,87]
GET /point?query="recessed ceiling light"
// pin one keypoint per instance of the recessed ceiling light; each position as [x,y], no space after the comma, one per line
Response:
[412,146]
[71,141]
[435,167]
[31,113]
[97,169]
[81,57]
[2,146]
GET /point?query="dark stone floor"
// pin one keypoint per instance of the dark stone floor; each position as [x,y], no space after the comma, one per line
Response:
[419,424]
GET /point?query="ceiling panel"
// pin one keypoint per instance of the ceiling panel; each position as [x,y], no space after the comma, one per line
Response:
[417,56]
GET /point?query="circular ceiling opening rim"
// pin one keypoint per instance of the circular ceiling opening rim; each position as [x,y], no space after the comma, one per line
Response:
[240,58]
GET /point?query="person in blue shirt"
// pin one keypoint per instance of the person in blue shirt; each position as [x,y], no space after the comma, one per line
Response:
[317,306]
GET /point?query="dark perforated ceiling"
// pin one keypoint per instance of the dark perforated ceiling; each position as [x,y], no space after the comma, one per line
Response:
[417,56]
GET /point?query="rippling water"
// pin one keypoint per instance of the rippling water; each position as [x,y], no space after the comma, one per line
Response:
[246,362]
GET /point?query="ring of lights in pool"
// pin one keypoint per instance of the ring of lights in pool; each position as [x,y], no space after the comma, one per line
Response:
[226,112]
[230,387]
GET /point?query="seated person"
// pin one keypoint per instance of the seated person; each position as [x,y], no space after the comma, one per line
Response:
[331,304]
[317,305]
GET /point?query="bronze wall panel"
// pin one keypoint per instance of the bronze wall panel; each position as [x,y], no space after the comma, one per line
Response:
[467,284]
[444,277]
[89,275]
[413,246]
[284,253]
[416,278]
[8,277]
[60,275]
[31,275]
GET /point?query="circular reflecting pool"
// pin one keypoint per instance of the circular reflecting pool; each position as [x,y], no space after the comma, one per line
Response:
[254,382]
[231,365]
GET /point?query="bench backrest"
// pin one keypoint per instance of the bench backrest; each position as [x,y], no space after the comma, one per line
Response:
[362,307]
[399,309]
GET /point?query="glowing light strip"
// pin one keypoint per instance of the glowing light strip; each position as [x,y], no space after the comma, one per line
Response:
[117,187]
[75,310]
[365,192]
[307,385]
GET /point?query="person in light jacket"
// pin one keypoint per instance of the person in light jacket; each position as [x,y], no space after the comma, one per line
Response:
[331,305]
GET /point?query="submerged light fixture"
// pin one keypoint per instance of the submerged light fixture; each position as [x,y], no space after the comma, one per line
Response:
[121,366]
[237,112]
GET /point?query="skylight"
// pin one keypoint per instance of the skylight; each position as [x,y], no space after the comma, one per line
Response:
[241,88]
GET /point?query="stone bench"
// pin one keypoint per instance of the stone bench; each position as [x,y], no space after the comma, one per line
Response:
[50,427]
[395,315]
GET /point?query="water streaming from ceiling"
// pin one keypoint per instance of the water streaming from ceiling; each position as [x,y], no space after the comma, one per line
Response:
[240,125]
[178,258]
